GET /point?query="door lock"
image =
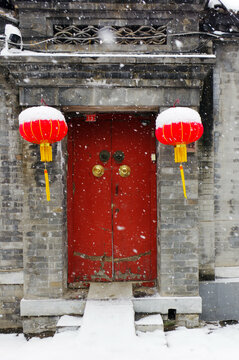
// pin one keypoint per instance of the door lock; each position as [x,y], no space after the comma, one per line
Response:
[124,170]
[98,170]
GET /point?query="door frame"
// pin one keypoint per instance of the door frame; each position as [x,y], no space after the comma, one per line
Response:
[71,112]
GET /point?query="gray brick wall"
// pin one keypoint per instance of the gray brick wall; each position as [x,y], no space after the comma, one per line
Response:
[226,138]
[44,233]
[205,148]
[11,206]
[178,225]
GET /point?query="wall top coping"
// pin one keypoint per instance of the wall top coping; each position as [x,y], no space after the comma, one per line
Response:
[106,58]
[105,55]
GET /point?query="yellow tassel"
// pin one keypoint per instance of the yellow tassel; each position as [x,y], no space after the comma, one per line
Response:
[46,152]
[180,153]
[183,181]
[47,185]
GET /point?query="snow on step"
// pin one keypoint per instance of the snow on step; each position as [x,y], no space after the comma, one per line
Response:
[150,323]
[68,322]
[109,313]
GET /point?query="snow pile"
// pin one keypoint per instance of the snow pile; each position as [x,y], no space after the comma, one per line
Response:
[210,342]
[229,4]
[177,115]
[12,35]
[40,112]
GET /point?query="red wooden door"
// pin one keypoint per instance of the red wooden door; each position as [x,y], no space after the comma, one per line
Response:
[112,218]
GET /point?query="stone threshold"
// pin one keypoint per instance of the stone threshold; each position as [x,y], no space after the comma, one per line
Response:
[154,304]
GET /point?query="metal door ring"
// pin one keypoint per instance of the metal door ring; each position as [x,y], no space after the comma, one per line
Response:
[98,170]
[124,170]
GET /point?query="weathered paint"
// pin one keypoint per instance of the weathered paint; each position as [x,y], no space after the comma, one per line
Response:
[112,219]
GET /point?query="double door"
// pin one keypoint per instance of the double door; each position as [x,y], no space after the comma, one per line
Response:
[112,198]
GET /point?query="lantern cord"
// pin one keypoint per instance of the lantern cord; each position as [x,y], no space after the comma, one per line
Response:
[43,102]
[176,102]
[47,185]
[183,180]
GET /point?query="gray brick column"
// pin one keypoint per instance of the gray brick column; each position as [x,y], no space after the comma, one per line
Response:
[178,225]
[44,224]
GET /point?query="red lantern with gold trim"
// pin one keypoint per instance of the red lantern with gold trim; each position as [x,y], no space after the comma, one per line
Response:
[43,125]
[179,126]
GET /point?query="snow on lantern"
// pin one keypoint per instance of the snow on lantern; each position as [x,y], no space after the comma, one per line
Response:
[179,126]
[43,125]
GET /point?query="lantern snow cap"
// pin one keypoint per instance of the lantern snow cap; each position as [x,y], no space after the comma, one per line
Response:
[43,125]
[179,126]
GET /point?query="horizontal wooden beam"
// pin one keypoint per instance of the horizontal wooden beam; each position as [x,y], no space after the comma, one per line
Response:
[102,109]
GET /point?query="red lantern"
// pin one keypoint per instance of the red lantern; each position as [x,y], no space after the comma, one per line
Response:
[179,126]
[43,125]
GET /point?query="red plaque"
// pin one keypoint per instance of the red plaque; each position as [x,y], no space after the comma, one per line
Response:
[90,118]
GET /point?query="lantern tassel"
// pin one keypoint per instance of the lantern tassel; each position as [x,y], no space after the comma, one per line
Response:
[46,152]
[47,185]
[180,153]
[183,181]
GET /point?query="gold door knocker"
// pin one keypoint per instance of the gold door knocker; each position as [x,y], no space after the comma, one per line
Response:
[124,170]
[98,170]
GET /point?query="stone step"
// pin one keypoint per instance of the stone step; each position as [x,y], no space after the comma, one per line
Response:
[109,313]
[149,323]
[68,323]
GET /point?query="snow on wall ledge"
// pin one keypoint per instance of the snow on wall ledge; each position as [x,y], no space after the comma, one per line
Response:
[16,53]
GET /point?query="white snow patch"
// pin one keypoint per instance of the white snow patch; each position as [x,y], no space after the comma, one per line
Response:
[106,36]
[40,112]
[210,342]
[177,115]
[68,320]
[179,44]
[150,320]
[120,228]
[23,53]
[9,31]
[229,4]
[12,30]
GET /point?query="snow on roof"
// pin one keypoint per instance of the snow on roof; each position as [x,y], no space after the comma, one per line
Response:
[229,4]
[176,115]
[12,30]
[40,112]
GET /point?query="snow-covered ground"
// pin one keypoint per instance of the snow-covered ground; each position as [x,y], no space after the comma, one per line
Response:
[209,342]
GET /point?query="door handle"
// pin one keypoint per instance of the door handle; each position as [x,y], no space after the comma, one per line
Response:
[124,170]
[117,189]
[98,170]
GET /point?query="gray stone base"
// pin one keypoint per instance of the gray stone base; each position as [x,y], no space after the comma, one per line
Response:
[220,299]
[40,325]
[189,321]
